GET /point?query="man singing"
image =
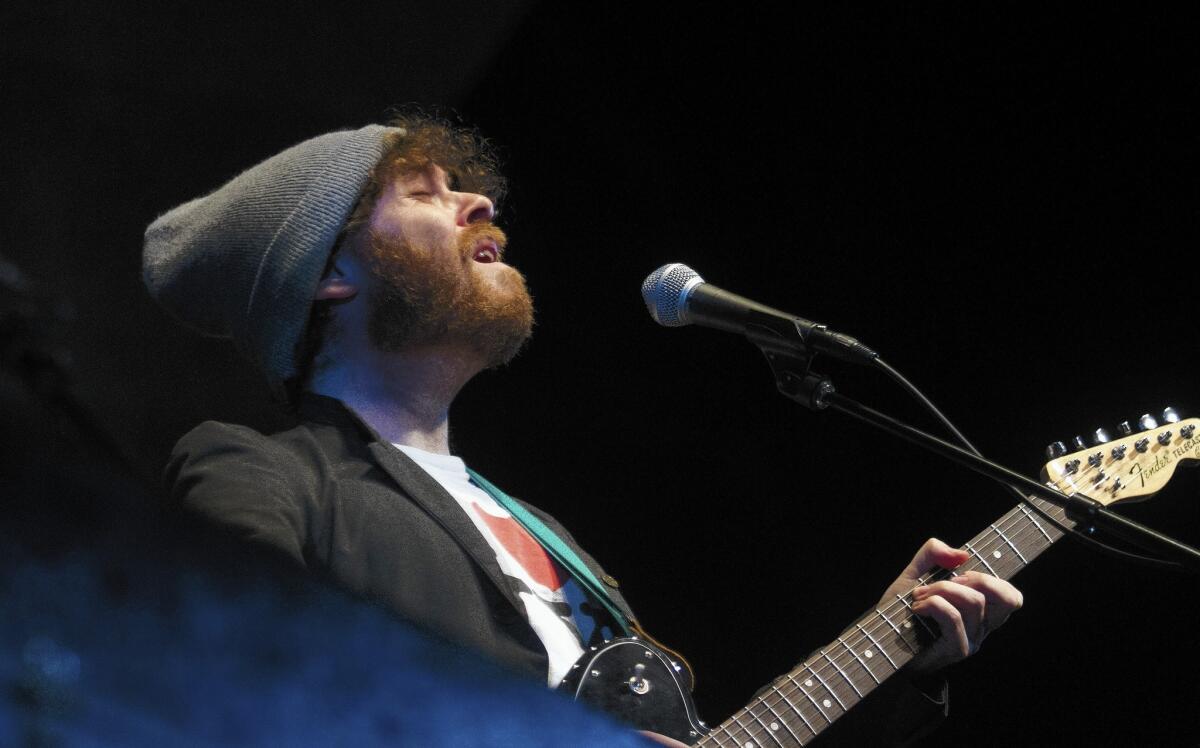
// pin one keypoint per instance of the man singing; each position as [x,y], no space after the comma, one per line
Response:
[362,274]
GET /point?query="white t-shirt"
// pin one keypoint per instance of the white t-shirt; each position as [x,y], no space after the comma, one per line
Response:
[556,606]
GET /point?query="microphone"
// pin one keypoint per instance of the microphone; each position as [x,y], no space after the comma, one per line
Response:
[676,295]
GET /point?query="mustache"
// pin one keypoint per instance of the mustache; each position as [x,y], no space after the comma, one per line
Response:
[472,234]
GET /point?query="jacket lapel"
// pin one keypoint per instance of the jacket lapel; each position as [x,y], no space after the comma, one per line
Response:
[418,485]
[424,490]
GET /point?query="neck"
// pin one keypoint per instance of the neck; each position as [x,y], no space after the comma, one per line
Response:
[404,396]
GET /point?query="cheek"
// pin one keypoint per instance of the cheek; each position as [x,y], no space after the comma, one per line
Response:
[422,234]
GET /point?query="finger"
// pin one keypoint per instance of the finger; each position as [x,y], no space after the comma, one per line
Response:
[1002,597]
[935,553]
[996,590]
[953,644]
[970,604]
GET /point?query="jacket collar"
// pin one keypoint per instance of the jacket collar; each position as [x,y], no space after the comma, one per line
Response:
[435,500]
[415,483]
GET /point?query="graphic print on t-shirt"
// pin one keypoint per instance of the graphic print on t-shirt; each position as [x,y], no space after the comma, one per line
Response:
[590,622]
[522,547]
[534,565]
[556,606]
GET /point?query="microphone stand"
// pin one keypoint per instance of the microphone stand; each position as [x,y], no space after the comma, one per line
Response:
[796,380]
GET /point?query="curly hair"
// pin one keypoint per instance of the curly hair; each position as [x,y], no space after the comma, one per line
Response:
[471,165]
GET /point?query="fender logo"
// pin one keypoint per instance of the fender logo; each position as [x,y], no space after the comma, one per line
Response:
[1146,472]
[1190,448]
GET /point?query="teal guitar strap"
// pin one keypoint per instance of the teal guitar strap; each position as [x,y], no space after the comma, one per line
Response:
[554,545]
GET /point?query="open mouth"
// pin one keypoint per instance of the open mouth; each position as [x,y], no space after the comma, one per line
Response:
[487,251]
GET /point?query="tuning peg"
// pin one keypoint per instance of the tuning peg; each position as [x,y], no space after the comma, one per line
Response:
[1165,438]
[1124,429]
[1100,436]
[1169,415]
[1147,422]
[1054,450]
[1187,431]
[1079,443]
[1118,452]
[1142,444]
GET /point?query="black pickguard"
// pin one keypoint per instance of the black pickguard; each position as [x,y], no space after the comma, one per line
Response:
[635,682]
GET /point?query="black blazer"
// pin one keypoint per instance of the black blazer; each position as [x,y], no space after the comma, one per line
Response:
[334,497]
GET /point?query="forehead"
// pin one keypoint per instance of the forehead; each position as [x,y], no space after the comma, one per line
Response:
[431,173]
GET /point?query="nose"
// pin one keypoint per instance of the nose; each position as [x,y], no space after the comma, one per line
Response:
[475,209]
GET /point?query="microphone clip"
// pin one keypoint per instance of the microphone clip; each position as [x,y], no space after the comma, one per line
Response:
[795,379]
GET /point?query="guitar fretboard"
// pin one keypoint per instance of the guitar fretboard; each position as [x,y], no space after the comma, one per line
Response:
[801,704]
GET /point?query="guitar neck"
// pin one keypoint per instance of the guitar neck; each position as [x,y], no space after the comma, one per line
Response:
[800,705]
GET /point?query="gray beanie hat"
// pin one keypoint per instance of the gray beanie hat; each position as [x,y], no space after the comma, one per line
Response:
[244,261]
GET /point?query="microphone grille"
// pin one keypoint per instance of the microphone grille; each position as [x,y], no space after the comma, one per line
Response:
[665,292]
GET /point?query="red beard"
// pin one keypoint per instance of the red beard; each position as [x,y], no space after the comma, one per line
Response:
[422,298]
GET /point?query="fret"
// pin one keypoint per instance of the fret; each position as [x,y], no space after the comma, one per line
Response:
[916,617]
[770,733]
[881,648]
[899,635]
[1030,516]
[860,660]
[831,692]
[728,732]
[737,720]
[777,718]
[1016,550]
[792,706]
[842,673]
[815,703]
[982,560]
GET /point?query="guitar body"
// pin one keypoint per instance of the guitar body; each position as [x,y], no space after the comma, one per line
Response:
[639,684]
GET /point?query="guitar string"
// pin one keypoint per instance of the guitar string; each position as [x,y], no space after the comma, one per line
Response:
[756,734]
[975,562]
[1026,529]
[1021,527]
[786,697]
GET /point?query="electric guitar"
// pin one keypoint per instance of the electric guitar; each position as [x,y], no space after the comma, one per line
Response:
[639,683]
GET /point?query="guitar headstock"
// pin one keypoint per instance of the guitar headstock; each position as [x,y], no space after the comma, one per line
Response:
[1133,466]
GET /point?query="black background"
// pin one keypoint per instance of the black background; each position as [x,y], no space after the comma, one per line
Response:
[1001,201]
